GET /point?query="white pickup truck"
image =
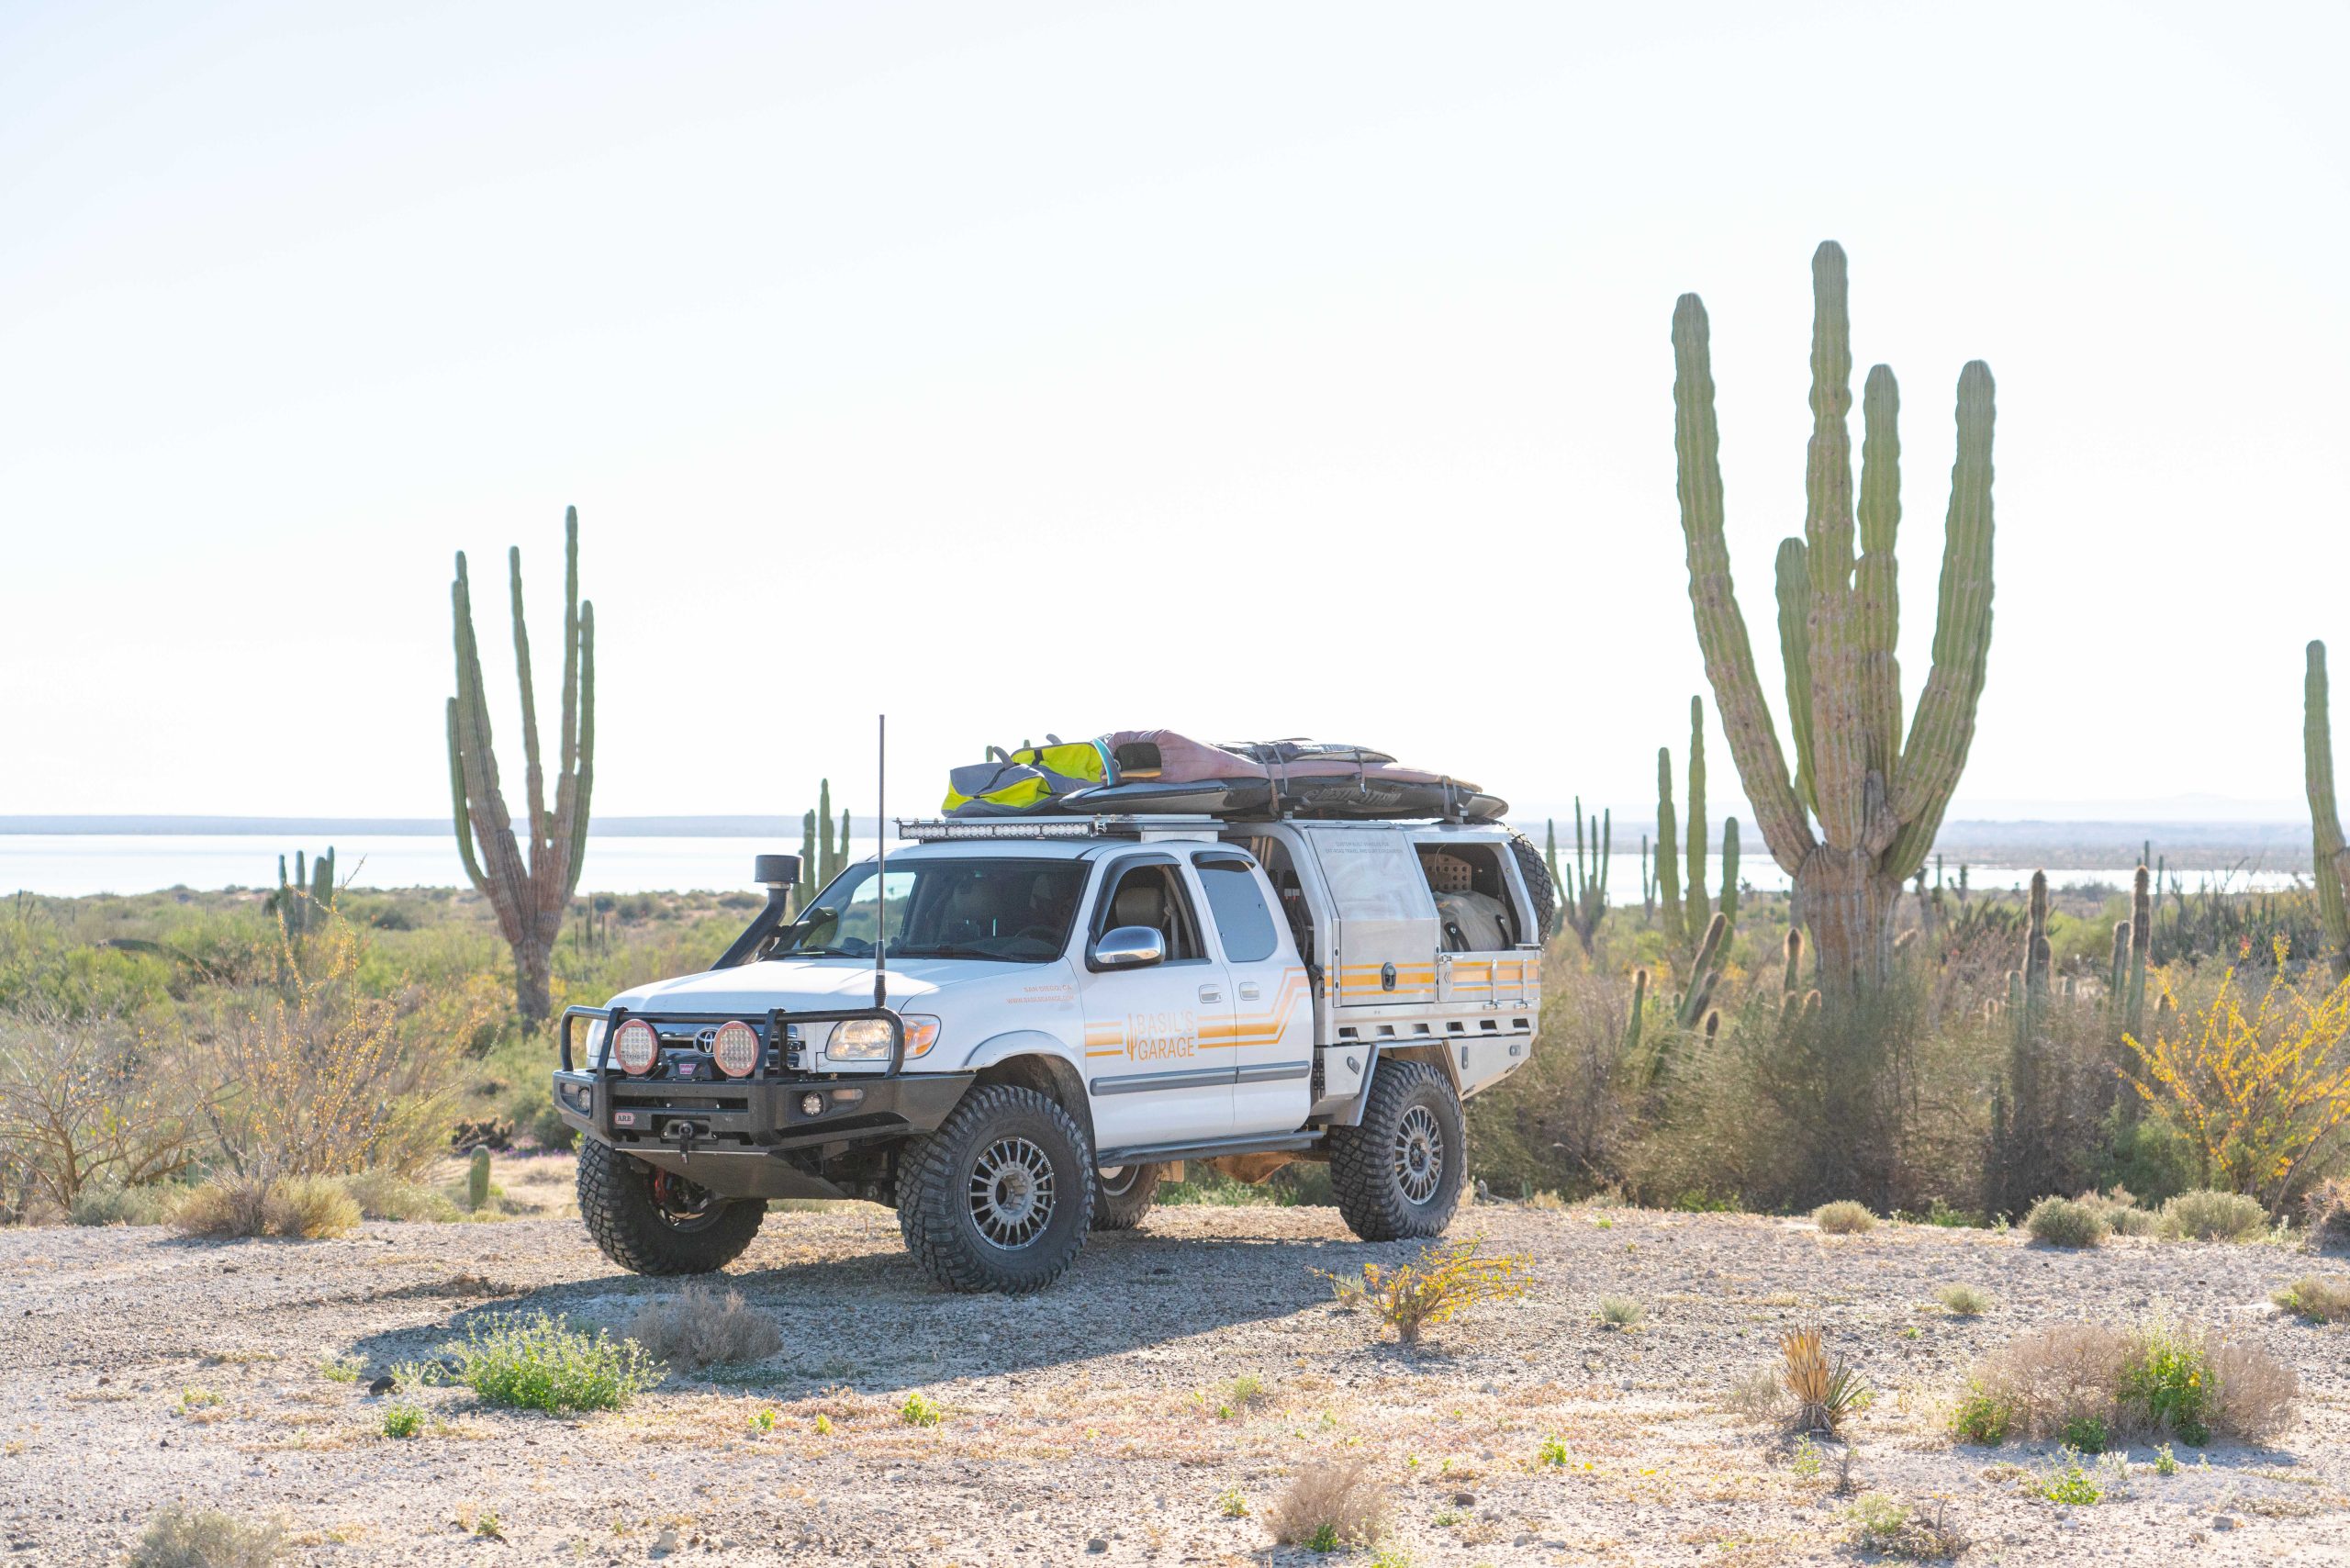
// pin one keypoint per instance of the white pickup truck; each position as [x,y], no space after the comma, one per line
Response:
[1065,1009]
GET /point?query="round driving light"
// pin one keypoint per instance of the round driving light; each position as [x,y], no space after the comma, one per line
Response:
[636,1048]
[811,1105]
[737,1049]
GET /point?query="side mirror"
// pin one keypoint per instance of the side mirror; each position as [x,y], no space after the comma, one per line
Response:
[775,870]
[1127,947]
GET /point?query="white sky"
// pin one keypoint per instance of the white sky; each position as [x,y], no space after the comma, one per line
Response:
[1252,369]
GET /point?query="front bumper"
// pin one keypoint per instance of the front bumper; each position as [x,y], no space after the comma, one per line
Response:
[739,1137]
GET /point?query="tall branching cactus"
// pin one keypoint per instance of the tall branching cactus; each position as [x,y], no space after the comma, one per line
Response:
[1689,911]
[2333,860]
[1878,802]
[1584,902]
[528,895]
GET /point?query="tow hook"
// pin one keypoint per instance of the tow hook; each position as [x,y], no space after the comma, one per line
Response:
[685,1132]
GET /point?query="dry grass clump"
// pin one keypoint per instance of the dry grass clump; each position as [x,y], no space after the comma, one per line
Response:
[2065,1222]
[308,1207]
[1844,1217]
[1893,1528]
[2319,1298]
[697,1328]
[1963,1300]
[1758,1395]
[1434,1288]
[2085,1383]
[2119,1208]
[2214,1216]
[1621,1311]
[176,1538]
[387,1194]
[1329,1504]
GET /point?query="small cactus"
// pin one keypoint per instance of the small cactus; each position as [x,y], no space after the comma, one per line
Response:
[2142,941]
[477,1182]
[1640,1006]
[2332,859]
[1704,970]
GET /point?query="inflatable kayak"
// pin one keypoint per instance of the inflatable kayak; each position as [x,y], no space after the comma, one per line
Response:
[1131,771]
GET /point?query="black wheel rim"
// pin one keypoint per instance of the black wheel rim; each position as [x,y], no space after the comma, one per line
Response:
[684,1205]
[1419,1155]
[1013,1193]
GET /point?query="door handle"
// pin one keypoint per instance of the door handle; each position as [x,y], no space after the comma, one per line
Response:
[1248,991]
[1210,993]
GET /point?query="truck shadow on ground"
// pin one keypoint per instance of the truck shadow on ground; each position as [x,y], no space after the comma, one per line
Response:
[873,1321]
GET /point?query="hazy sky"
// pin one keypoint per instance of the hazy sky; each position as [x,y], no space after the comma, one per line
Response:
[1251,369]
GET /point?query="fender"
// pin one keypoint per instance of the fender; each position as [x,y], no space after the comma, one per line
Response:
[1044,1055]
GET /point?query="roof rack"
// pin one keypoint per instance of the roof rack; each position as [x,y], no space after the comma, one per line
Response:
[932,830]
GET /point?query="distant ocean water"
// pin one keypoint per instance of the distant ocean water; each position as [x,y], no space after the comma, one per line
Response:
[76,865]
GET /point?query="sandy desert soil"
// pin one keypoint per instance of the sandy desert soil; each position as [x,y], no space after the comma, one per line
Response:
[1082,1426]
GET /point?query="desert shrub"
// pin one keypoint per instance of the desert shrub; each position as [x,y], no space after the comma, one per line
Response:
[1894,1529]
[921,1410]
[541,1362]
[178,1538]
[309,1208]
[1844,1217]
[2329,1212]
[1963,1300]
[2214,1216]
[2120,1212]
[83,1101]
[2319,1298]
[105,1202]
[1757,1395]
[403,1421]
[382,1194]
[2063,1222]
[698,1328]
[1445,1281]
[1332,1502]
[1825,1393]
[1560,1122]
[2261,1089]
[323,1078]
[2153,1379]
[1621,1311]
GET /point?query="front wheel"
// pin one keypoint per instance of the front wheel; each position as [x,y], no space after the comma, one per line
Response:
[1398,1174]
[656,1222]
[1000,1197]
[1122,1195]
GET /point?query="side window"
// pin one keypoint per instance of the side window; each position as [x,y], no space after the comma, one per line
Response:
[1241,918]
[1153,895]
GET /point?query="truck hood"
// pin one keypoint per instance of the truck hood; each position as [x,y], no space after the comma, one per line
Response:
[816,985]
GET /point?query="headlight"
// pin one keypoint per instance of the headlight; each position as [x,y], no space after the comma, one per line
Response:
[860,1039]
[595,1043]
[922,1033]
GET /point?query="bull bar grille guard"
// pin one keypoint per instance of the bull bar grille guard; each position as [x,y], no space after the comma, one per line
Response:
[771,1024]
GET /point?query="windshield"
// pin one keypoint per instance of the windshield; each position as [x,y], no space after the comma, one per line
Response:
[1017,910]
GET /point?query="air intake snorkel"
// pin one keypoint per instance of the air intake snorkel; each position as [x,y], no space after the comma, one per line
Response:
[780,872]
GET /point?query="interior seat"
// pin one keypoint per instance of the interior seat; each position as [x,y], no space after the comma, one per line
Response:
[1141,900]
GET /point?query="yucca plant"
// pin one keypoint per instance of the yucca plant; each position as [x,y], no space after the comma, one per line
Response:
[1825,1392]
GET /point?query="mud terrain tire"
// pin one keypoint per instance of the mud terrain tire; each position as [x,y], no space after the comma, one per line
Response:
[622,1200]
[1000,1196]
[1119,1200]
[1537,872]
[1399,1174]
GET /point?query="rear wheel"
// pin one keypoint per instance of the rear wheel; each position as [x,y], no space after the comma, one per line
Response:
[1122,1195]
[656,1222]
[1398,1174]
[1000,1197]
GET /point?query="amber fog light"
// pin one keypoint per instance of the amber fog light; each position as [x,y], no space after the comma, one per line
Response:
[636,1048]
[736,1050]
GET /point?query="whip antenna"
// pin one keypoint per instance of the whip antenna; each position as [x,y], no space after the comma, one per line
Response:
[881,869]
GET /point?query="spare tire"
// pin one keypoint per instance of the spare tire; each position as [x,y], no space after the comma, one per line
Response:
[1537,872]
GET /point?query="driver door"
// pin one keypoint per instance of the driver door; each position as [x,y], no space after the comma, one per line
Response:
[1159,1065]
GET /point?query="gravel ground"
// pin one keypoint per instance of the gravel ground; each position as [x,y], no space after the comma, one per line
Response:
[1082,1425]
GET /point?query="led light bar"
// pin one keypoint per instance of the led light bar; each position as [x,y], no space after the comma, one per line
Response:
[934,830]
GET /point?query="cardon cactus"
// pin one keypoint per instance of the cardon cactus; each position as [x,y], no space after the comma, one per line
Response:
[1584,904]
[2333,860]
[1689,912]
[528,897]
[301,903]
[1878,800]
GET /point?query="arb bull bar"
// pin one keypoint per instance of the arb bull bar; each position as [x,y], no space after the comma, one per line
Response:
[732,1135]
